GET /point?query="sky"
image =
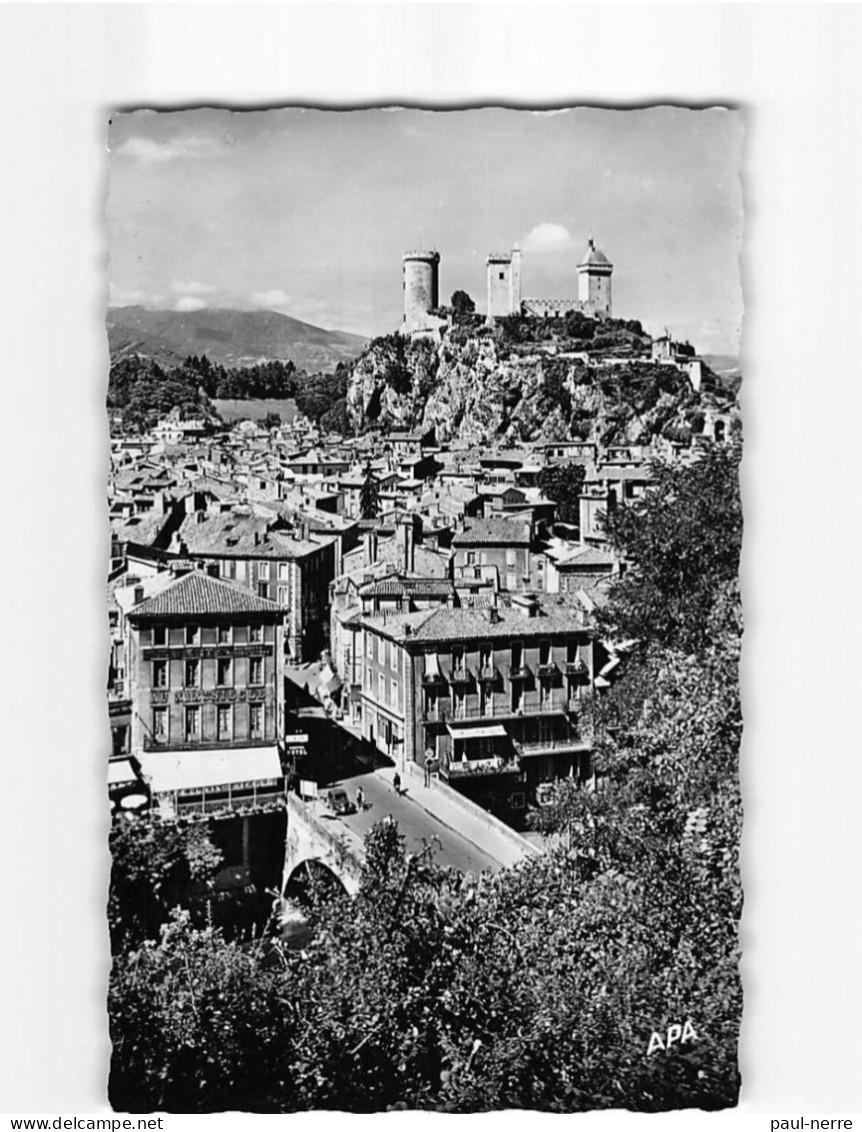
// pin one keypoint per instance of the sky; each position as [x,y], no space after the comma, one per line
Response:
[308,212]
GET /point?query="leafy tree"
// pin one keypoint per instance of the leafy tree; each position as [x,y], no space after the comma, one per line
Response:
[369,496]
[152,862]
[272,420]
[462,305]
[563,483]
[683,543]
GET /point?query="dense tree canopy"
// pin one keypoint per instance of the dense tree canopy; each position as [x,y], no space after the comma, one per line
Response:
[563,483]
[682,541]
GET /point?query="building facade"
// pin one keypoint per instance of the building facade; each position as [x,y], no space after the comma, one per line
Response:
[496,698]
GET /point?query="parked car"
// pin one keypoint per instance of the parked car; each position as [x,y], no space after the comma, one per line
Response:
[339,803]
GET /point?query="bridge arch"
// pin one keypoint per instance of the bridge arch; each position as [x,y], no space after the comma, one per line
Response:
[311,875]
[311,844]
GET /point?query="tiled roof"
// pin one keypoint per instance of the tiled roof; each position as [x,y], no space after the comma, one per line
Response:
[415,587]
[498,531]
[588,556]
[197,593]
[463,624]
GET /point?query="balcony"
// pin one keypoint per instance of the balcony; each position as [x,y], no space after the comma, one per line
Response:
[576,668]
[519,672]
[546,670]
[488,673]
[478,768]
[439,713]
[429,678]
[460,675]
[151,743]
[573,744]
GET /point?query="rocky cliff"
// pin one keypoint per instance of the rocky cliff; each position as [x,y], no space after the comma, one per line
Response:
[477,384]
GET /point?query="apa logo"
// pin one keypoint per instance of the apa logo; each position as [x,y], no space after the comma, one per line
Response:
[675,1033]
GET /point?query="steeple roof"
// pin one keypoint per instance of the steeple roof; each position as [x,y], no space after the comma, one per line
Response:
[594,257]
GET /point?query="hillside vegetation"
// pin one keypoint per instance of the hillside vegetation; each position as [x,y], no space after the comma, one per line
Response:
[527,380]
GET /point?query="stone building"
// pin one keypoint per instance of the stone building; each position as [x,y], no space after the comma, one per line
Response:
[494,696]
[205,674]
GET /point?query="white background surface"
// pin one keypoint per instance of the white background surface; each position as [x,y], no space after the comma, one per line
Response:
[796,69]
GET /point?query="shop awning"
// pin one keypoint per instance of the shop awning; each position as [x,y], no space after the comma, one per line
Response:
[495,731]
[431,666]
[120,772]
[199,770]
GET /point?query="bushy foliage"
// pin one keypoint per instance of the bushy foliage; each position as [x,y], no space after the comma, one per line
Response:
[152,863]
[141,392]
[563,483]
[683,542]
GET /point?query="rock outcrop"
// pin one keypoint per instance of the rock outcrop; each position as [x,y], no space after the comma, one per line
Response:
[475,385]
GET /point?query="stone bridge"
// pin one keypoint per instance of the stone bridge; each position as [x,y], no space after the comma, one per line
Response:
[460,834]
[311,844]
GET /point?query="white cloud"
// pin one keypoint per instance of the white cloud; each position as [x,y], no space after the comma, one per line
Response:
[189,303]
[150,152]
[192,288]
[547,237]
[271,300]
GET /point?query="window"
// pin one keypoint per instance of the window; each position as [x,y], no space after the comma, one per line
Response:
[193,634]
[283,571]
[160,724]
[263,589]
[511,557]
[263,571]
[471,557]
[160,635]
[544,652]
[255,720]
[228,568]
[193,723]
[283,595]
[393,658]
[393,694]
[193,673]
[255,634]
[224,721]
[255,670]
[502,274]
[225,635]
[369,646]
[381,688]
[224,671]
[160,674]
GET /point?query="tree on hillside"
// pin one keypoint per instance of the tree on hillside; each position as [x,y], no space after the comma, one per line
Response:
[369,495]
[271,420]
[563,483]
[463,307]
[682,541]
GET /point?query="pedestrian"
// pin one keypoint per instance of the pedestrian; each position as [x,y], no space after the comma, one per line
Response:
[360,799]
[396,782]
[429,765]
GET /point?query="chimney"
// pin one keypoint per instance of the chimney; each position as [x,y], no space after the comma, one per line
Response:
[405,546]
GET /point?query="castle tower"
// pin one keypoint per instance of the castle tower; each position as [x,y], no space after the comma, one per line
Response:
[421,287]
[594,280]
[504,283]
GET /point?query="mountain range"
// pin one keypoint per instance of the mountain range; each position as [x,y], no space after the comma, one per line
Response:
[231,338]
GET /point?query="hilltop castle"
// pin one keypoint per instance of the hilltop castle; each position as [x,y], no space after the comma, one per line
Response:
[421,270]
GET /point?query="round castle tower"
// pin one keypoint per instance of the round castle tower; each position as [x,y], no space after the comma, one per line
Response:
[421,286]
